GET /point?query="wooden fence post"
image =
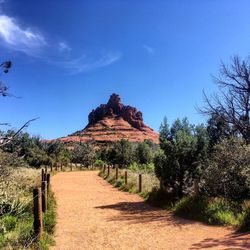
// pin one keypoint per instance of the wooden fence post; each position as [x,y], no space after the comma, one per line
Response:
[44,196]
[48,182]
[51,167]
[38,215]
[196,188]
[61,166]
[46,169]
[108,170]
[71,168]
[42,175]
[104,168]
[126,178]
[45,177]
[139,183]
[116,173]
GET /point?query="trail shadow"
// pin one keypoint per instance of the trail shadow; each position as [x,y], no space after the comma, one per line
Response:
[233,241]
[141,212]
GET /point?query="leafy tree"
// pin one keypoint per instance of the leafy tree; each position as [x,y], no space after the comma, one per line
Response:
[164,130]
[123,152]
[217,130]
[143,153]
[28,148]
[184,152]
[160,161]
[84,154]
[103,153]
[57,152]
[232,104]
[228,171]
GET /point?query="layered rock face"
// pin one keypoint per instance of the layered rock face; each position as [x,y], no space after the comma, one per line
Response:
[112,122]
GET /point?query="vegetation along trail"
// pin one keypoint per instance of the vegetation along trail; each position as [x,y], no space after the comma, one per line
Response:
[94,215]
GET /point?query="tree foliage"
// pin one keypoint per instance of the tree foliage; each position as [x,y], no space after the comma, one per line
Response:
[143,153]
[217,130]
[34,151]
[185,148]
[84,154]
[227,173]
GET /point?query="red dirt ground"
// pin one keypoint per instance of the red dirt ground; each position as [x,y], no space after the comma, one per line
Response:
[94,215]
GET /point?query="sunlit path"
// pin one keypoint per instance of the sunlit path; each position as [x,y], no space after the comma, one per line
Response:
[94,215]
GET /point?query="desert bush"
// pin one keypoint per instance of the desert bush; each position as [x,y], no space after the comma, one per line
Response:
[161,198]
[227,174]
[123,152]
[9,222]
[84,154]
[212,211]
[141,168]
[99,163]
[245,219]
[49,218]
[184,150]
[143,153]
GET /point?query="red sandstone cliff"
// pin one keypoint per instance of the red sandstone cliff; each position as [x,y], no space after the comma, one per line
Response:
[112,122]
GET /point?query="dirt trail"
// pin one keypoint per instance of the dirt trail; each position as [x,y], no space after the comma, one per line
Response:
[94,215]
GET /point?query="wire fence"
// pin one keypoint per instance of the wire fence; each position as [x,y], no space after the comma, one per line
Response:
[36,204]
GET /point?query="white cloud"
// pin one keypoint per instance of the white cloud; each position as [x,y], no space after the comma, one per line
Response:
[64,47]
[33,43]
[20,39]
[86,64]
[149,49]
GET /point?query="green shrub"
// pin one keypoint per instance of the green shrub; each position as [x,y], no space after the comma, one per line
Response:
[24,230]
[99,163]
[45,242]
[223,218]
[49,218]
[9,222]
[141,168]
[213,211]
[227,173]
[245,219]
[161,198]
[3,241]
[191,208]
[119,183]
[220,212]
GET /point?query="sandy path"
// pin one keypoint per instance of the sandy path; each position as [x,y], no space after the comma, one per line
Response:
[94,215]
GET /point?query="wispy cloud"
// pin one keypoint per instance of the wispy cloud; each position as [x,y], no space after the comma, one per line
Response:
[149,49]
[64,47]
[34,43]
[87,63]
[20,39]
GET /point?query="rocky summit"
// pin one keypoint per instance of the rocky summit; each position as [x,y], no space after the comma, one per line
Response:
[112,122]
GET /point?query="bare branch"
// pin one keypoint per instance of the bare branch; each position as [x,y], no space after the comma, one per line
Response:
[233,103]
[6,140]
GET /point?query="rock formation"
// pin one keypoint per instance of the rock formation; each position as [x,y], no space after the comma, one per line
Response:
[114,121]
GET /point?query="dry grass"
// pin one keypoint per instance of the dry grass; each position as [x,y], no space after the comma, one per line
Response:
[149,181]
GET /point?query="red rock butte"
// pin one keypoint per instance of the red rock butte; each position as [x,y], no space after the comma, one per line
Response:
[112,122]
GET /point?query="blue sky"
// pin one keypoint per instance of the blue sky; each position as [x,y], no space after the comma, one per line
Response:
[69,56]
